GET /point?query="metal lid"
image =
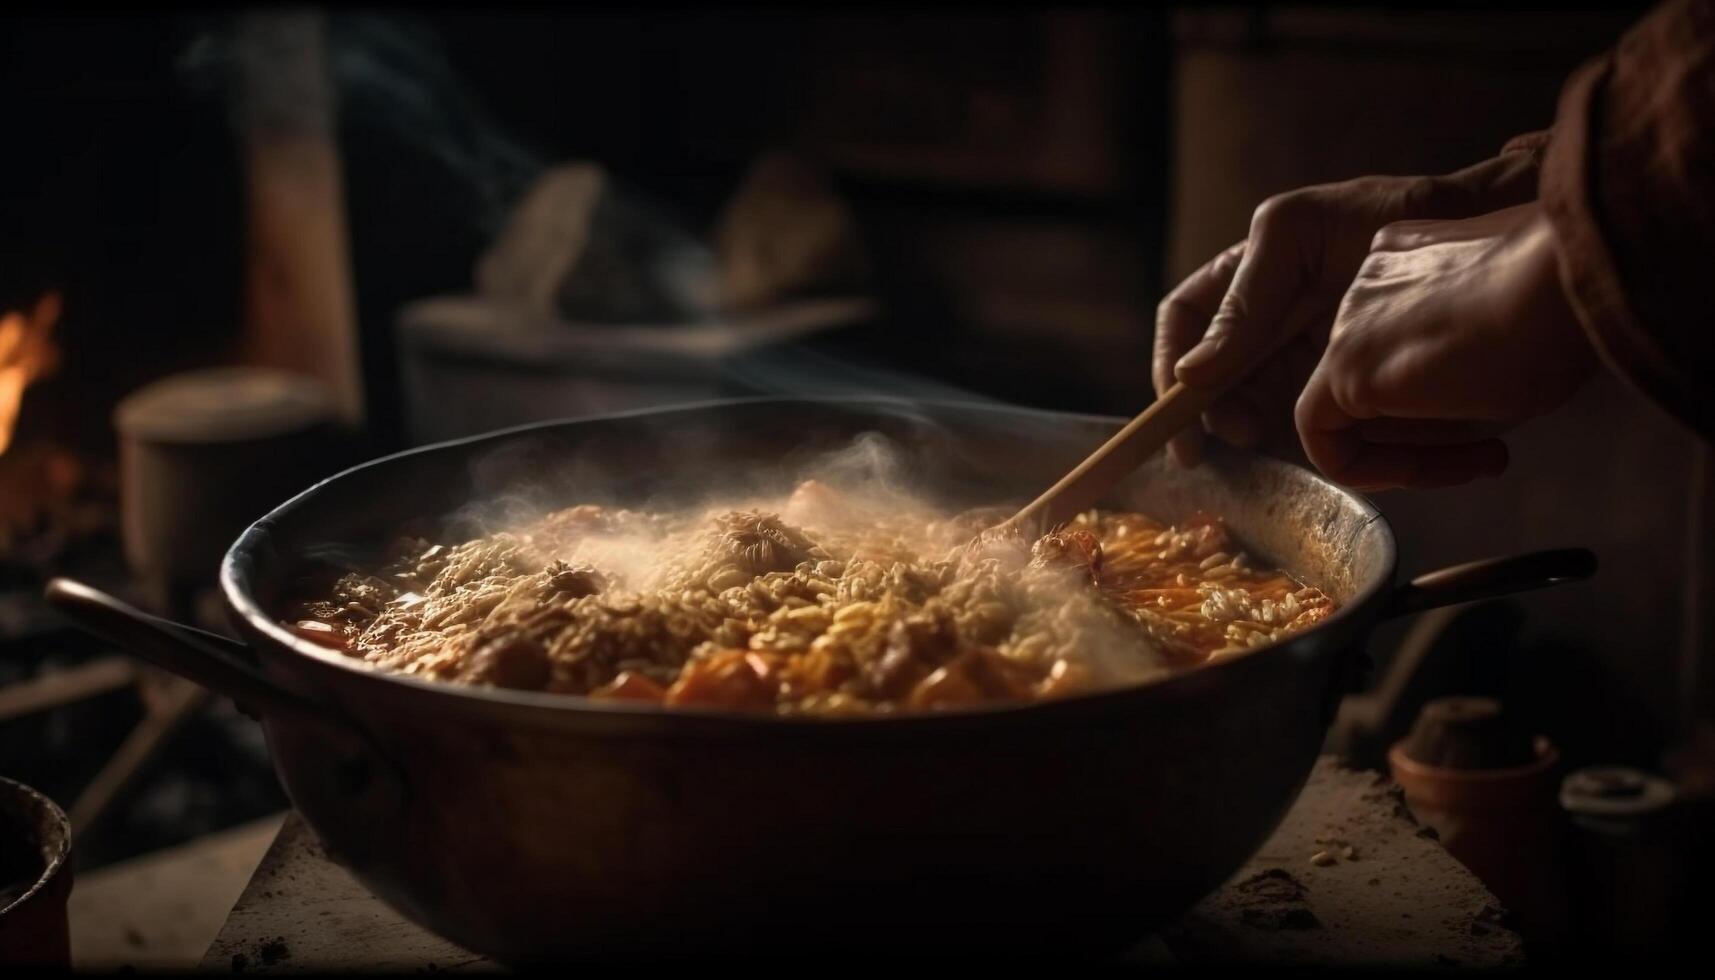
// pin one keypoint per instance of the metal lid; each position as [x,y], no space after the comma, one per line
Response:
[1615,792]
[221,405]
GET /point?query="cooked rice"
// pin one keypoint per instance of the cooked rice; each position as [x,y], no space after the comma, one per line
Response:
[816,606]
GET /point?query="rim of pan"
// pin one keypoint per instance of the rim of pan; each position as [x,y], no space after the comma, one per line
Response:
[237,566]
[49,833]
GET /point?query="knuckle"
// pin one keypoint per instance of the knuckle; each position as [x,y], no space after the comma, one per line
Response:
[1376,266]
[1304,409]
[1229,324]
[1395,236]
[1175,326]
[1234,307]
[1354,390]
[1278,211]
[1161,372]
[1351,375]
[1230,258]
[1166,310]
[1346,344]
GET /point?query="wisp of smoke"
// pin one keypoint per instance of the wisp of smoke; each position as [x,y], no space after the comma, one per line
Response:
[391,73]
[386,72]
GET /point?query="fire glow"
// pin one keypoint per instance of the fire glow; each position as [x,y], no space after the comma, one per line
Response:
[27,352]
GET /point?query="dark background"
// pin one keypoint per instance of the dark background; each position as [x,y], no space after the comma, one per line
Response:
[122,186]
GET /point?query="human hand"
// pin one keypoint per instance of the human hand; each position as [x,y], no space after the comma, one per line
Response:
[1452,333]
[1270,301]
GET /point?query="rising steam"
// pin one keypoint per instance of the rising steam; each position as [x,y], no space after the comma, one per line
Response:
[384,73]
[868,490]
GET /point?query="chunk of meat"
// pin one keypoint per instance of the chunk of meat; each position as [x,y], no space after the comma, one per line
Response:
[514,660]
[563,580]
[759,543]
[1076,550]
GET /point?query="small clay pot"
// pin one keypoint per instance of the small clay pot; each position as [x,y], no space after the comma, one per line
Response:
[1501,821]
[35,879]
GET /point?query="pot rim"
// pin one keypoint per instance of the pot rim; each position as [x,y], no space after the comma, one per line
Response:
[1547,757]
[54,818]
[263,632]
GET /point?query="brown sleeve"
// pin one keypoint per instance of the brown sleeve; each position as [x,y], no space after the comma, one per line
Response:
[1628,183]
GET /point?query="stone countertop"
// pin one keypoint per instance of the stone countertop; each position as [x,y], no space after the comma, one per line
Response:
[1349,879]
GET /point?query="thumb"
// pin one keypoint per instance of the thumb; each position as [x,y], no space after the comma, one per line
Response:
[1252,317]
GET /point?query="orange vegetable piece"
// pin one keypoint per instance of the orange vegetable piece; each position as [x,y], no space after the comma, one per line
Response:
[736,679]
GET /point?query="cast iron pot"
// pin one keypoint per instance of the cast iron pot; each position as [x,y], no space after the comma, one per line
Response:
[538,827]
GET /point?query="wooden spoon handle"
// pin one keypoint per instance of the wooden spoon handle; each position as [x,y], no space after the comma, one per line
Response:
[1141,438]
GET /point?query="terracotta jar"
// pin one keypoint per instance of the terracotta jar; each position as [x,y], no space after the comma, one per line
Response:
[1490,795]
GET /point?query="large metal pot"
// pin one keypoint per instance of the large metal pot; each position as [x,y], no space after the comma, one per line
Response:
[532,826]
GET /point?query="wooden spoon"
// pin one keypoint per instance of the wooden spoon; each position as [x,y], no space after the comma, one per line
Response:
[1079,490]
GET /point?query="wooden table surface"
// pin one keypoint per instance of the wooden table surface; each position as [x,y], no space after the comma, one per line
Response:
[1349,879]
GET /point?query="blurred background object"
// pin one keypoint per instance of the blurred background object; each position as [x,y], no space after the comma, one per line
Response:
[593,299]
[202,453]
[446,221]
[1624,845]
[298,291]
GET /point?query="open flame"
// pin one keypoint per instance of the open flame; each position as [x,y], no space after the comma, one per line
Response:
[26,353]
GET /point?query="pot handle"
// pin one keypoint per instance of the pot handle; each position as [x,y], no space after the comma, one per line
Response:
[1490,578]
[352,773]
[216,662]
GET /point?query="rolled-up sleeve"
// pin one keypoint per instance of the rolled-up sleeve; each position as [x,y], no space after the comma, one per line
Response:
[1628,183]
